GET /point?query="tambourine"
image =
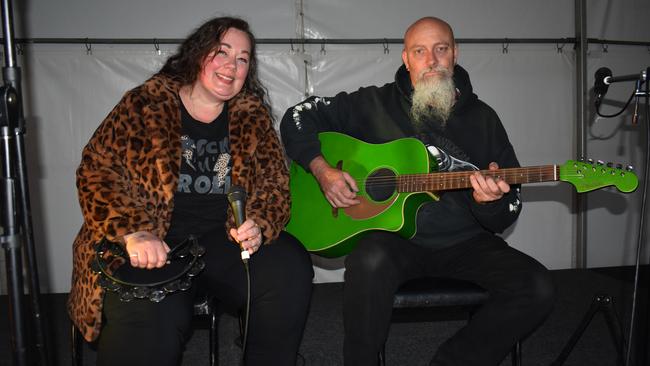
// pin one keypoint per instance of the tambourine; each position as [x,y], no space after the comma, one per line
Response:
[183,263]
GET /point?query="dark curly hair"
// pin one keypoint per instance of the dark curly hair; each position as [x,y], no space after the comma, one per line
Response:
[188,61]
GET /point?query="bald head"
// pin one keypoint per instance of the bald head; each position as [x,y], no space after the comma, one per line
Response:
[429,47]
[428,22]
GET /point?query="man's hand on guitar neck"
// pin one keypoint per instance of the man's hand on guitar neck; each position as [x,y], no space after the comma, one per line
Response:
[338,186]
[488,189]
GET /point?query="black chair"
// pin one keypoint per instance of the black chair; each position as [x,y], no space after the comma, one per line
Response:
[203,306]
[428,292]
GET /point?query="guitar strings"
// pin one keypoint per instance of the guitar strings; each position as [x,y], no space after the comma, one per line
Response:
[442,178]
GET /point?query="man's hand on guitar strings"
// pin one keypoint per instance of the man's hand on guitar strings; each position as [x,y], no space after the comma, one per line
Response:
[338,186]
[488,189]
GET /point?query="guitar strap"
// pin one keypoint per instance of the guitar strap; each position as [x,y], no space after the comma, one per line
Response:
[449,156]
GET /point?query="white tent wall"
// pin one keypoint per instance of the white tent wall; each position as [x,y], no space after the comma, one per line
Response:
[469,18]
[67,93]
[150,18]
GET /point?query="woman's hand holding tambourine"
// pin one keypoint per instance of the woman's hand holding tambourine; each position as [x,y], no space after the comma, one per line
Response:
[146,250]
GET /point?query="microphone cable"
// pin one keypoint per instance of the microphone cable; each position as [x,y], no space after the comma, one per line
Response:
[243,328]
[627,104]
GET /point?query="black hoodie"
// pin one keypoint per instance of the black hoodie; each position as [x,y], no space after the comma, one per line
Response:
[472,138]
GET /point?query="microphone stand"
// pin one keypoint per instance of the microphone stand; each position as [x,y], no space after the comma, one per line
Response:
[15,215]
[642,351]
[605,302]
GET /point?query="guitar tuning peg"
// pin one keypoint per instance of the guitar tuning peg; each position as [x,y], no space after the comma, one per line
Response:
[610,164]
[600,162]
[581,159]
[590,161]
[619,166]
[629,168]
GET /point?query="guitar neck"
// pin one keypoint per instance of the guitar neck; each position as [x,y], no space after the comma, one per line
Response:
[460,180]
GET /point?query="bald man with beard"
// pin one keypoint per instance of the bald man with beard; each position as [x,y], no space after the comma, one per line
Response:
[431,99]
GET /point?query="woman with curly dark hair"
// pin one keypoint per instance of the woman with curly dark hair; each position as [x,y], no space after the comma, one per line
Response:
[156,172]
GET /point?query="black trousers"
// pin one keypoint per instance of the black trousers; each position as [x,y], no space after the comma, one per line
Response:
[521,295]
[142,332]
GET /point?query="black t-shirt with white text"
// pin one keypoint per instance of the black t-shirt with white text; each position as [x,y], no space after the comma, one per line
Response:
[200,202]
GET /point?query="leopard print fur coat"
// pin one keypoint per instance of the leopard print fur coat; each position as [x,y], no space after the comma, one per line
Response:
[129,172]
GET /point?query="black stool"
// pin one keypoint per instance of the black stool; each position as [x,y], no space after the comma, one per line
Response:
[429,292]
[202,306]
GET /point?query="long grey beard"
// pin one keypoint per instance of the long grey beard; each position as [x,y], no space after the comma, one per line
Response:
[433,99]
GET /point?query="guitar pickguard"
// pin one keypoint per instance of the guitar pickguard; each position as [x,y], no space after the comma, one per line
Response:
[368,209]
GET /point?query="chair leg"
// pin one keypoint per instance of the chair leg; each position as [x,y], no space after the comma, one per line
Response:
[516,354]
[382,356]
[76,345]
[214,335]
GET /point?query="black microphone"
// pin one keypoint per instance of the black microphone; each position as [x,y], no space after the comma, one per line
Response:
[600,85]
[237,200]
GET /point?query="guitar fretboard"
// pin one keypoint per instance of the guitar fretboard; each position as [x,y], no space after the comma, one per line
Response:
[460,180]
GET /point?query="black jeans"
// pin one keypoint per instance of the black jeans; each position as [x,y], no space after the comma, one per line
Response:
[521,295]
[142,332]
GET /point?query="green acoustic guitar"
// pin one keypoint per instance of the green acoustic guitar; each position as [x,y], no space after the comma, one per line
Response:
[394,180]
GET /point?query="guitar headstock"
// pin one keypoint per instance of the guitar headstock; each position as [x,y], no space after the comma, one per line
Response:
[588,176]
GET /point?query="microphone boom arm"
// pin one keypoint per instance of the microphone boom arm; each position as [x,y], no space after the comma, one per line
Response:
[642,76]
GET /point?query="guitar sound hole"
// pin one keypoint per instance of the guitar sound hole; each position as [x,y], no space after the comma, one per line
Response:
[380,185]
